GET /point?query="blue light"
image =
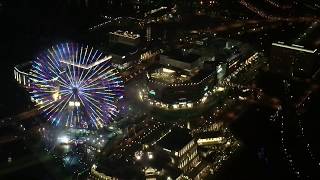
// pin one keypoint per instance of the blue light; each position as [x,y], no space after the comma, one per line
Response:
[60,70]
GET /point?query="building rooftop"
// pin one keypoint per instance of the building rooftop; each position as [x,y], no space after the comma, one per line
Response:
[115,168]
[294,47]
[123,49]
[183,57]
[126,34]
[169,75]
[202,74]
[176,139]
[209,134]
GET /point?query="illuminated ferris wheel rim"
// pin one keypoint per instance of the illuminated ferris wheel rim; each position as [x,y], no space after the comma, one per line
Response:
[86,67]
[69,74]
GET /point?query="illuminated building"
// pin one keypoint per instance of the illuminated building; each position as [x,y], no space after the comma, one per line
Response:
[96,175]
[148,34]
[22,74]
[210,138]
[124,37]
[210,141]
[184,78]
[124,56]
[174,88]
[182,60]
[181,147]
[124,48]
[179,81]
[225,56]
[293,60]
[151,173]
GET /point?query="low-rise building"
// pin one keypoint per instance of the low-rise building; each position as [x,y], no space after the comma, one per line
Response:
[125,37]
[125,49]
[181,147]
[22,74]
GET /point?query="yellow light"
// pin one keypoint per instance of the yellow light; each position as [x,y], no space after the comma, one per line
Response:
[166,70]
[140,95]
[56,96]
[220,89]
[204,99]
[77,104]
[150,155]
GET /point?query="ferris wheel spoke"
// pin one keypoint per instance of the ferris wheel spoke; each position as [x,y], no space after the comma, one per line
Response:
[94,57]
[54,109]
[100,74]
[89,71]
[91,101]
[70,58]
[68,72]
[58,67]
[84,62]
[74,87]
[91,49]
